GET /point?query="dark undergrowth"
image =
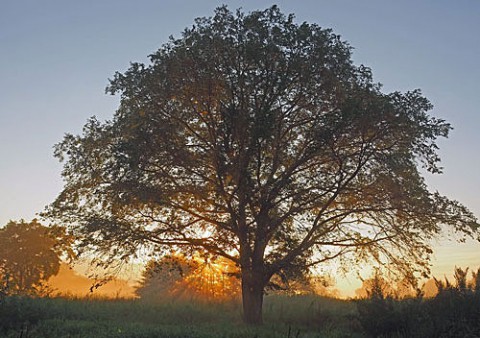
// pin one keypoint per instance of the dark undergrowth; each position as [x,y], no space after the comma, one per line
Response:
[453,312]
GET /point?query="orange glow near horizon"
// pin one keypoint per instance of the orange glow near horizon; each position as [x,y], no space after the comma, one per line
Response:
[68,282]
[212,280]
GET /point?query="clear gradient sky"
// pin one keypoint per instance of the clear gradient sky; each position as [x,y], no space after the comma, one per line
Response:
[56,57]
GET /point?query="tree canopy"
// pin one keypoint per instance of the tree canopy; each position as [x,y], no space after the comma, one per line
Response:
[30,253]
[257,139]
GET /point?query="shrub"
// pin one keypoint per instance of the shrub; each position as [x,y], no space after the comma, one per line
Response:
[453,312]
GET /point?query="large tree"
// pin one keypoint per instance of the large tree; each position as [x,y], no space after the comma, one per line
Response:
[257,139]
[30,253]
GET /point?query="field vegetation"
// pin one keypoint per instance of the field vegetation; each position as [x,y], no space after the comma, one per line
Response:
[249,150]
[300,316]
[453,312]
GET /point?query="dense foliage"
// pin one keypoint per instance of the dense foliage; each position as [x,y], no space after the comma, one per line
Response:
[257,139]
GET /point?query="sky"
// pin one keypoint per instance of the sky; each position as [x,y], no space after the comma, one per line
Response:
[56,57]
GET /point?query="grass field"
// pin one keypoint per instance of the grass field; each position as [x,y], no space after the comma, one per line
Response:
[299,316]
[454,312]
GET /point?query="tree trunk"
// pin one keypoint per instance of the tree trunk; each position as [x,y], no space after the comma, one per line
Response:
[252,297]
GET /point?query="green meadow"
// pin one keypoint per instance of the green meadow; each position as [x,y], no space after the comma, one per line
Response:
[296,316]
[453,312]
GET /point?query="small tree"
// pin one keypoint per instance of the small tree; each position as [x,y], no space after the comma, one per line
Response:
[161,277]
[178,277]
[376,287]
[257,139]
[29,254]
